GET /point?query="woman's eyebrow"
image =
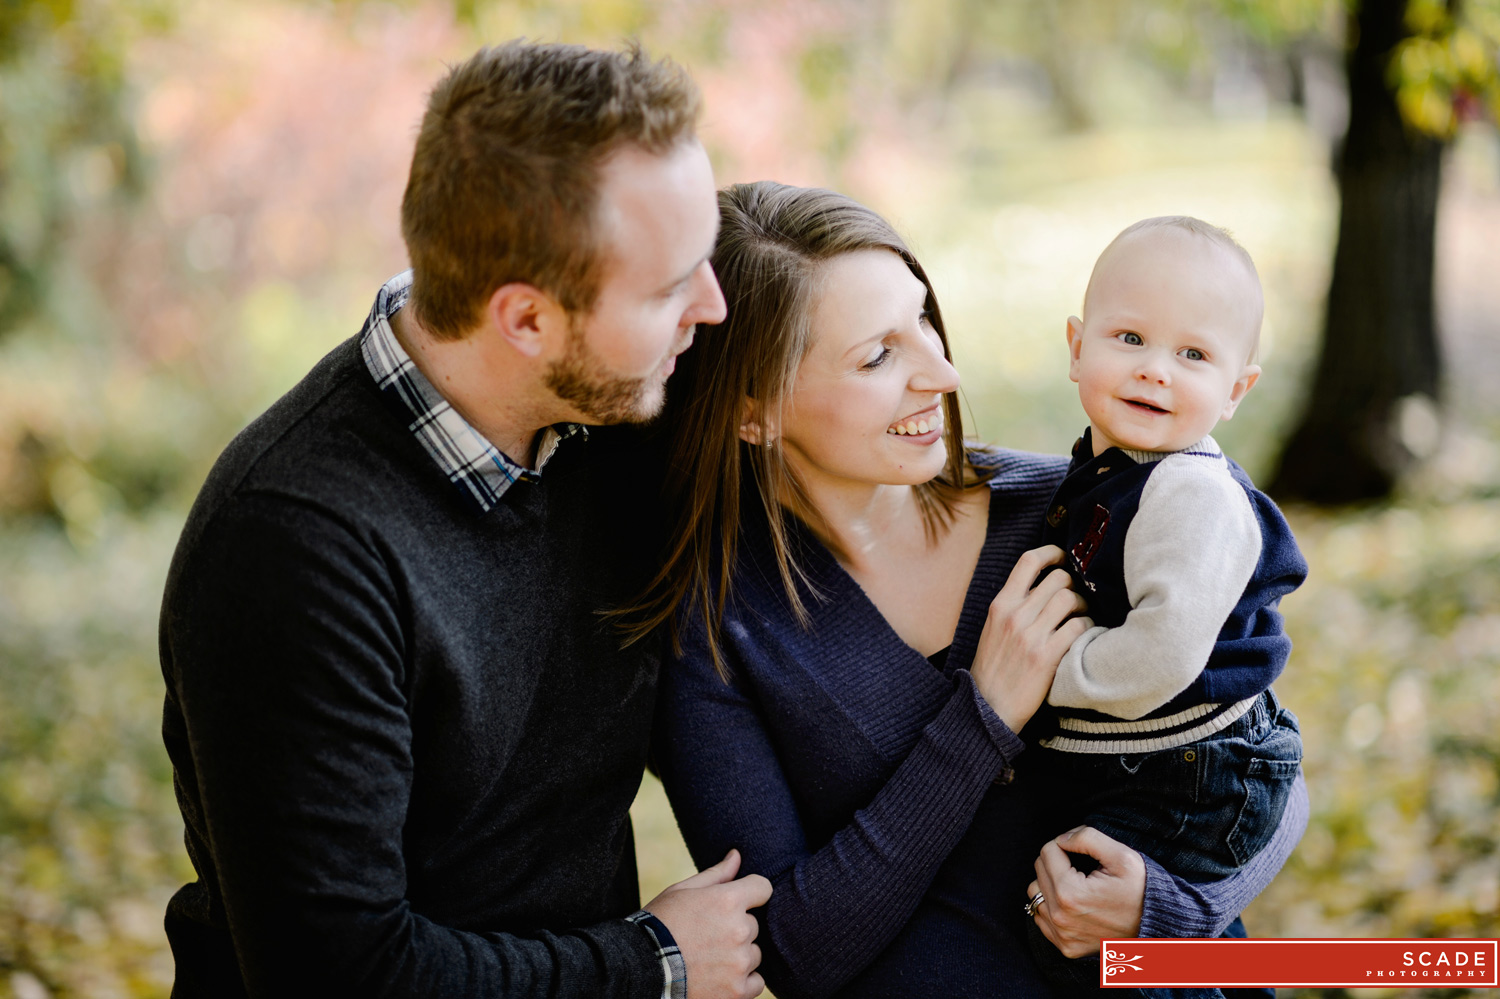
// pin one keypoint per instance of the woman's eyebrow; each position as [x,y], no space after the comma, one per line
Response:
[921,305]
[869,340]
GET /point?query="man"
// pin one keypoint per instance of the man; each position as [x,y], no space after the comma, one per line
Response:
[405,742]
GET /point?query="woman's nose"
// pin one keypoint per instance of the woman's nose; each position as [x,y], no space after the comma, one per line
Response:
[707,305]
[936,375]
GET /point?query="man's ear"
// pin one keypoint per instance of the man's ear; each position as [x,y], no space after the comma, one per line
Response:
[525,317]
[752,428]
[1075,345]
[1242,385]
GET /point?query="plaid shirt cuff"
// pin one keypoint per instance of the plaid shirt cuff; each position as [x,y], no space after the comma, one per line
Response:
[674,969]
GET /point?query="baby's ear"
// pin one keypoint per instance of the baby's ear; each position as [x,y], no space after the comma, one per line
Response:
[1075,344]
[1242,385]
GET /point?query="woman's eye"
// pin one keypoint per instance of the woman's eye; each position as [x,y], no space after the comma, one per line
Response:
[1134,339]
[877,360]
[924,319]
[1192,353]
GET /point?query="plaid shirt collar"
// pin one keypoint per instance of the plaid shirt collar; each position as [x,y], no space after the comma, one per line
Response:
[481,471]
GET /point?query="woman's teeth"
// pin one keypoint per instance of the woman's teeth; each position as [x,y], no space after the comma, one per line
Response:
[914,427]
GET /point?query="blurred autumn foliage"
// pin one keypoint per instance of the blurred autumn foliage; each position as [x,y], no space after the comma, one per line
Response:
[199,197]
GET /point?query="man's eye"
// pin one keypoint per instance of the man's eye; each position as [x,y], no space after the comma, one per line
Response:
[1134,339]
[1192,353]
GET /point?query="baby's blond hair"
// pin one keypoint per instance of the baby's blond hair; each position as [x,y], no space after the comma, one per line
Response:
[1197,227]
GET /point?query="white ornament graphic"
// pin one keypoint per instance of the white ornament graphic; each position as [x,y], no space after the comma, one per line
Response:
[1116,962]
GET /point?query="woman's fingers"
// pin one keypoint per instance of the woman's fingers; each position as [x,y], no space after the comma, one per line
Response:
[1026,600]
[1042,912]
[1113,856]
[1072,630]
[1083,909]
[1023,641]
[1056,872]
[1030,565]
[1062,604]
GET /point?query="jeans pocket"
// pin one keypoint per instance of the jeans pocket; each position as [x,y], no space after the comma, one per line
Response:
[1268,785]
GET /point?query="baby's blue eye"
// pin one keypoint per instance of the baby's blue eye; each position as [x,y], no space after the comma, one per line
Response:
[1192,353]
[1134,339]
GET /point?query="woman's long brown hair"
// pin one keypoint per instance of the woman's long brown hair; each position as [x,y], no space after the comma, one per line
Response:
[772,242]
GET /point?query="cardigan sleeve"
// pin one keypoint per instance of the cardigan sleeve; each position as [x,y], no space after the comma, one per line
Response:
[835,905]
[1178,908]
[283,647]
[1189,553]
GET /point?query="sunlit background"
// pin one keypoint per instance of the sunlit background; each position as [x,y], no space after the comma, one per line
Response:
[198,198]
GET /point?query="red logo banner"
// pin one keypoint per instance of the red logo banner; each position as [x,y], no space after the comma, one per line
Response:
[1299,963]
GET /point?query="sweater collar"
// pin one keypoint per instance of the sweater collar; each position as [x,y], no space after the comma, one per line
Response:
[479,470]
[1083,450]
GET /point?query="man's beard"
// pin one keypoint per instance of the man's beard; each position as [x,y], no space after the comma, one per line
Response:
[581,379]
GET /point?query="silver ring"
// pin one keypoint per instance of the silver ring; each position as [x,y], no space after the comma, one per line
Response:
[1036,903]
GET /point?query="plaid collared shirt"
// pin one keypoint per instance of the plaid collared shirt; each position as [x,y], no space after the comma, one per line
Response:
[482,472]
[479,469]
[672,964]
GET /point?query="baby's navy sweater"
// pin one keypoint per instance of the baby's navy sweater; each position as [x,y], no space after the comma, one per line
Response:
[1090,516]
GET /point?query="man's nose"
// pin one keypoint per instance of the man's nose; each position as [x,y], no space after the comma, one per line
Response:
[708,299]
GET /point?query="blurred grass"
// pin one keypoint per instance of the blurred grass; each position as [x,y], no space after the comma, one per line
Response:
[228,291]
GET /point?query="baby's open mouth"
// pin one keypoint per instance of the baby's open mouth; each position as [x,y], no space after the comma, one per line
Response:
[1148,407]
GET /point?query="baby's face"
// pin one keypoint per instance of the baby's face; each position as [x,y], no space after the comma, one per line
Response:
[1162,353]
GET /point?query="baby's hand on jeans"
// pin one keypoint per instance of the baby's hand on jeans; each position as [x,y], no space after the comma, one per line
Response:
[1028,630]
[1079,910]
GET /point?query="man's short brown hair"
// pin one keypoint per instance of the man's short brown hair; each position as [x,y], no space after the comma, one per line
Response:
[504,180]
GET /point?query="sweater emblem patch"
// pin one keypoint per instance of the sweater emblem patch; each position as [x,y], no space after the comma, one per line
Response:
[1088,546]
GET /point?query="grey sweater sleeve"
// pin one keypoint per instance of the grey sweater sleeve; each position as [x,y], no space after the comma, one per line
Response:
[283,646]
[1189,552]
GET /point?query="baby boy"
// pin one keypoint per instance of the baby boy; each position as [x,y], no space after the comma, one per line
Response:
[1167,734]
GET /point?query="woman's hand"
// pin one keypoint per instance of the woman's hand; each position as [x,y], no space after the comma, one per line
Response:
[1028,630]
[1079,910]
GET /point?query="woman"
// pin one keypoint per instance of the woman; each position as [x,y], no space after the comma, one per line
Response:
[864,635]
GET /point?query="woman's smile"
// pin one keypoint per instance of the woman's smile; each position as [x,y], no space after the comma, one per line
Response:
[925,427]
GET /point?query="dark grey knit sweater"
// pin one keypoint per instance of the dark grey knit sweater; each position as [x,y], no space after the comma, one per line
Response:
[404,742]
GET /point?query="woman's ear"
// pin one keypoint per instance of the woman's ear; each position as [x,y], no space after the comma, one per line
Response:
[752,430]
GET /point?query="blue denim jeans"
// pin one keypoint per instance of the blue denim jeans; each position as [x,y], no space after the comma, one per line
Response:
[1200,810]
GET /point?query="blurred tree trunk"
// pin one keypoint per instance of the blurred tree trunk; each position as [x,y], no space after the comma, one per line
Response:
[1380,339]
